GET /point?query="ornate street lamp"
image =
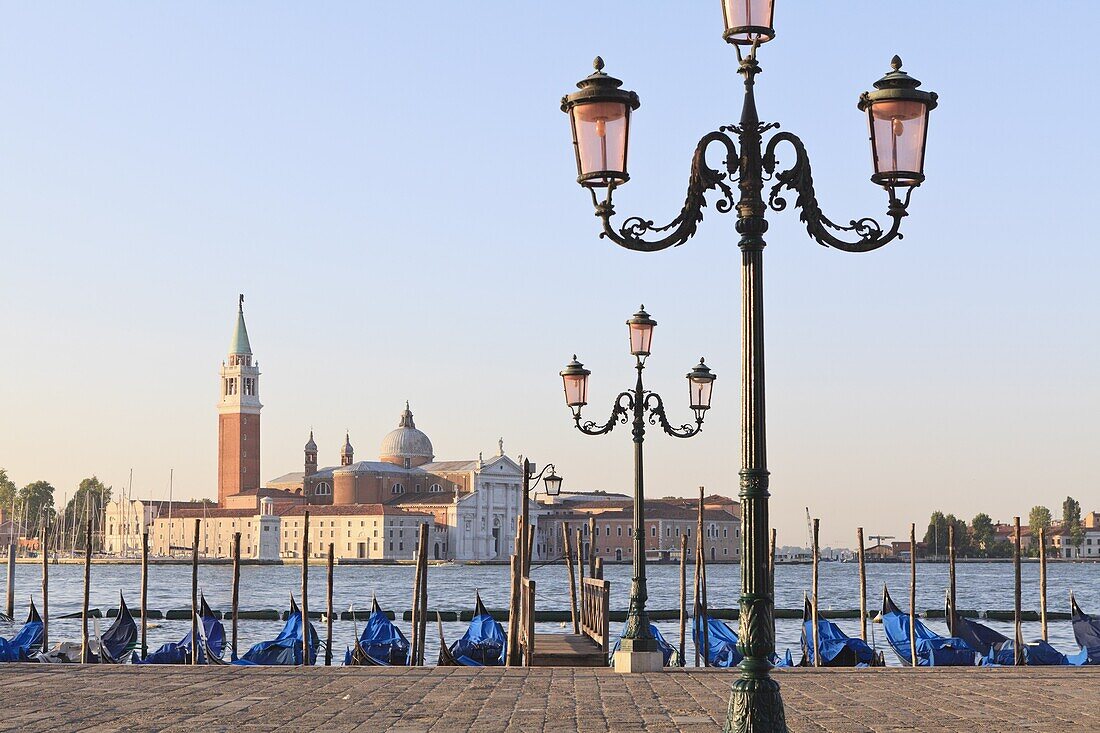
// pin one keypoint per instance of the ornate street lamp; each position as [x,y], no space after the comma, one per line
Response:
[897,112]
[638,651]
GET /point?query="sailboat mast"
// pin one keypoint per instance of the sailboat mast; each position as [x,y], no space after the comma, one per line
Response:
[171,474]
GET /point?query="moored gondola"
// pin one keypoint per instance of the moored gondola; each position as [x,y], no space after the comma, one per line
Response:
[211,646]
[481,646]
[837,648]
[26,642]
[933,650]
[722,642]
[381,644]
[113,647]
[1086,630]
[286,648]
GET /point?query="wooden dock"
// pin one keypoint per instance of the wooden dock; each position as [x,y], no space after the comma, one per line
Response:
[567,650]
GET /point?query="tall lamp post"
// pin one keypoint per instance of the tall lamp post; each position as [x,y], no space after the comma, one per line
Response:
[552,483]
[897,114]
[638,651]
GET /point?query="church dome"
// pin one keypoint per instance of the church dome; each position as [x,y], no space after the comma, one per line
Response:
[406,442]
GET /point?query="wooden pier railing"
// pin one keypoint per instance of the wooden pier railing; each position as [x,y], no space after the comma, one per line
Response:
[595,611]
[527,620]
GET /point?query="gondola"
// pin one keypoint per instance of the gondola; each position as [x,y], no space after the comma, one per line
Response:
[482,645]
[837,648]
[211,636]
[723,641]
[27,641]
[380,645]
[113,647]
[668,652]
[286,648]
[1086,630]
[933,650]
[997,649]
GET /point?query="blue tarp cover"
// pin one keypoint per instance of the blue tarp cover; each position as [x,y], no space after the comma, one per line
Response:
[837,648]
[381,641]
[286,648]
[665,648]
[722,642]
[997,649]
[483,643]
[121,637]
[21,646]
[933,650]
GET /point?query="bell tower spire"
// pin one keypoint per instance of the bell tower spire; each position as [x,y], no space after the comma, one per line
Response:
[239,415]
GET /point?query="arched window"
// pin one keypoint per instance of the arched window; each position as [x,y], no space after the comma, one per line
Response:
[322,489]
[435,489]
[397,489]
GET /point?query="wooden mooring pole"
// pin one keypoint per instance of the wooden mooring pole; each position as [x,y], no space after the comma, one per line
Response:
[84,651]
[813,597]
[236,590]
[592,547]
[423,615]
[568,557]
[862,585]
[771,574]
[305,589]
[951,577]
[513,620]
[683,597]
[701,544]
[144,593]
[10,608]
[1018,657]
[414,646]
[328,610]
[1043,580]
[913,594]
[45,584]
[195,595]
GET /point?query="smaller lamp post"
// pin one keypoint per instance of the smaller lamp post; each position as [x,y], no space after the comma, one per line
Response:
[552,483]
[638,651]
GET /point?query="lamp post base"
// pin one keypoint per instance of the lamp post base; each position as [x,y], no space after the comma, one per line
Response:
[631,662]
[755,707]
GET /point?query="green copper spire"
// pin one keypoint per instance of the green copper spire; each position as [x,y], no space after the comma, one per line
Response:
[240,344]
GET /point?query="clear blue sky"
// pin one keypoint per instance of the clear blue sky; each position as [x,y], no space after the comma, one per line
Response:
[392,186]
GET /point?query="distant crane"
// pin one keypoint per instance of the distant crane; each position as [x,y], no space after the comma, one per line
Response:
[878,538]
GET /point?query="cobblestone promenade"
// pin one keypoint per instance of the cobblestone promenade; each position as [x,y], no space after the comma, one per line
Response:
[241,700]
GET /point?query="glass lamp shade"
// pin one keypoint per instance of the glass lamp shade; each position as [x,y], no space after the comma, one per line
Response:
[897,114]
[641,332]
[552,484]
[600,118]
[700,386]
[575,379]
[748,21]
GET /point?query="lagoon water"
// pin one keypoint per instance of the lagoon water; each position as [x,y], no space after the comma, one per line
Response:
[980,586]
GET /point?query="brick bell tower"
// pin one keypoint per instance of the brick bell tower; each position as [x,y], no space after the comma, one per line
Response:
[239,416]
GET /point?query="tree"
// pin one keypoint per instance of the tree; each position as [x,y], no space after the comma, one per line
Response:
[35,500]
[981,534]
[7,492]
[962,535]
[1038,518]
[1071,524]
[935,537]
[88,502]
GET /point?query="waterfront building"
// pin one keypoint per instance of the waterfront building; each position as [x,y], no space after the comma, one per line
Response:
[1090,539]
[124,521]
[667,520]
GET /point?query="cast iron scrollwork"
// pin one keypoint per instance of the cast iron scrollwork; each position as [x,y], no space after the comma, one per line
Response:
[656,408]
[799,179]
[631,234]
[620,413]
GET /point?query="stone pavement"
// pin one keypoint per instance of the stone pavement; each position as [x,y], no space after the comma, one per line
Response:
[241,700]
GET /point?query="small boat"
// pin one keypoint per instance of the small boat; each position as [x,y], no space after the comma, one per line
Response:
[27,641]
[482,645]
[723,641]
[669,657]
[381,644]
[113,647]
[996,649]
[1086,630]
[837,648]
[933,650]
[286,648]
[211,636]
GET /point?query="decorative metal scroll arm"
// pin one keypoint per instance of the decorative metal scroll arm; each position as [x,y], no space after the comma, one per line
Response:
[703,178]
[799,179]
[656,408]
[620,413]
